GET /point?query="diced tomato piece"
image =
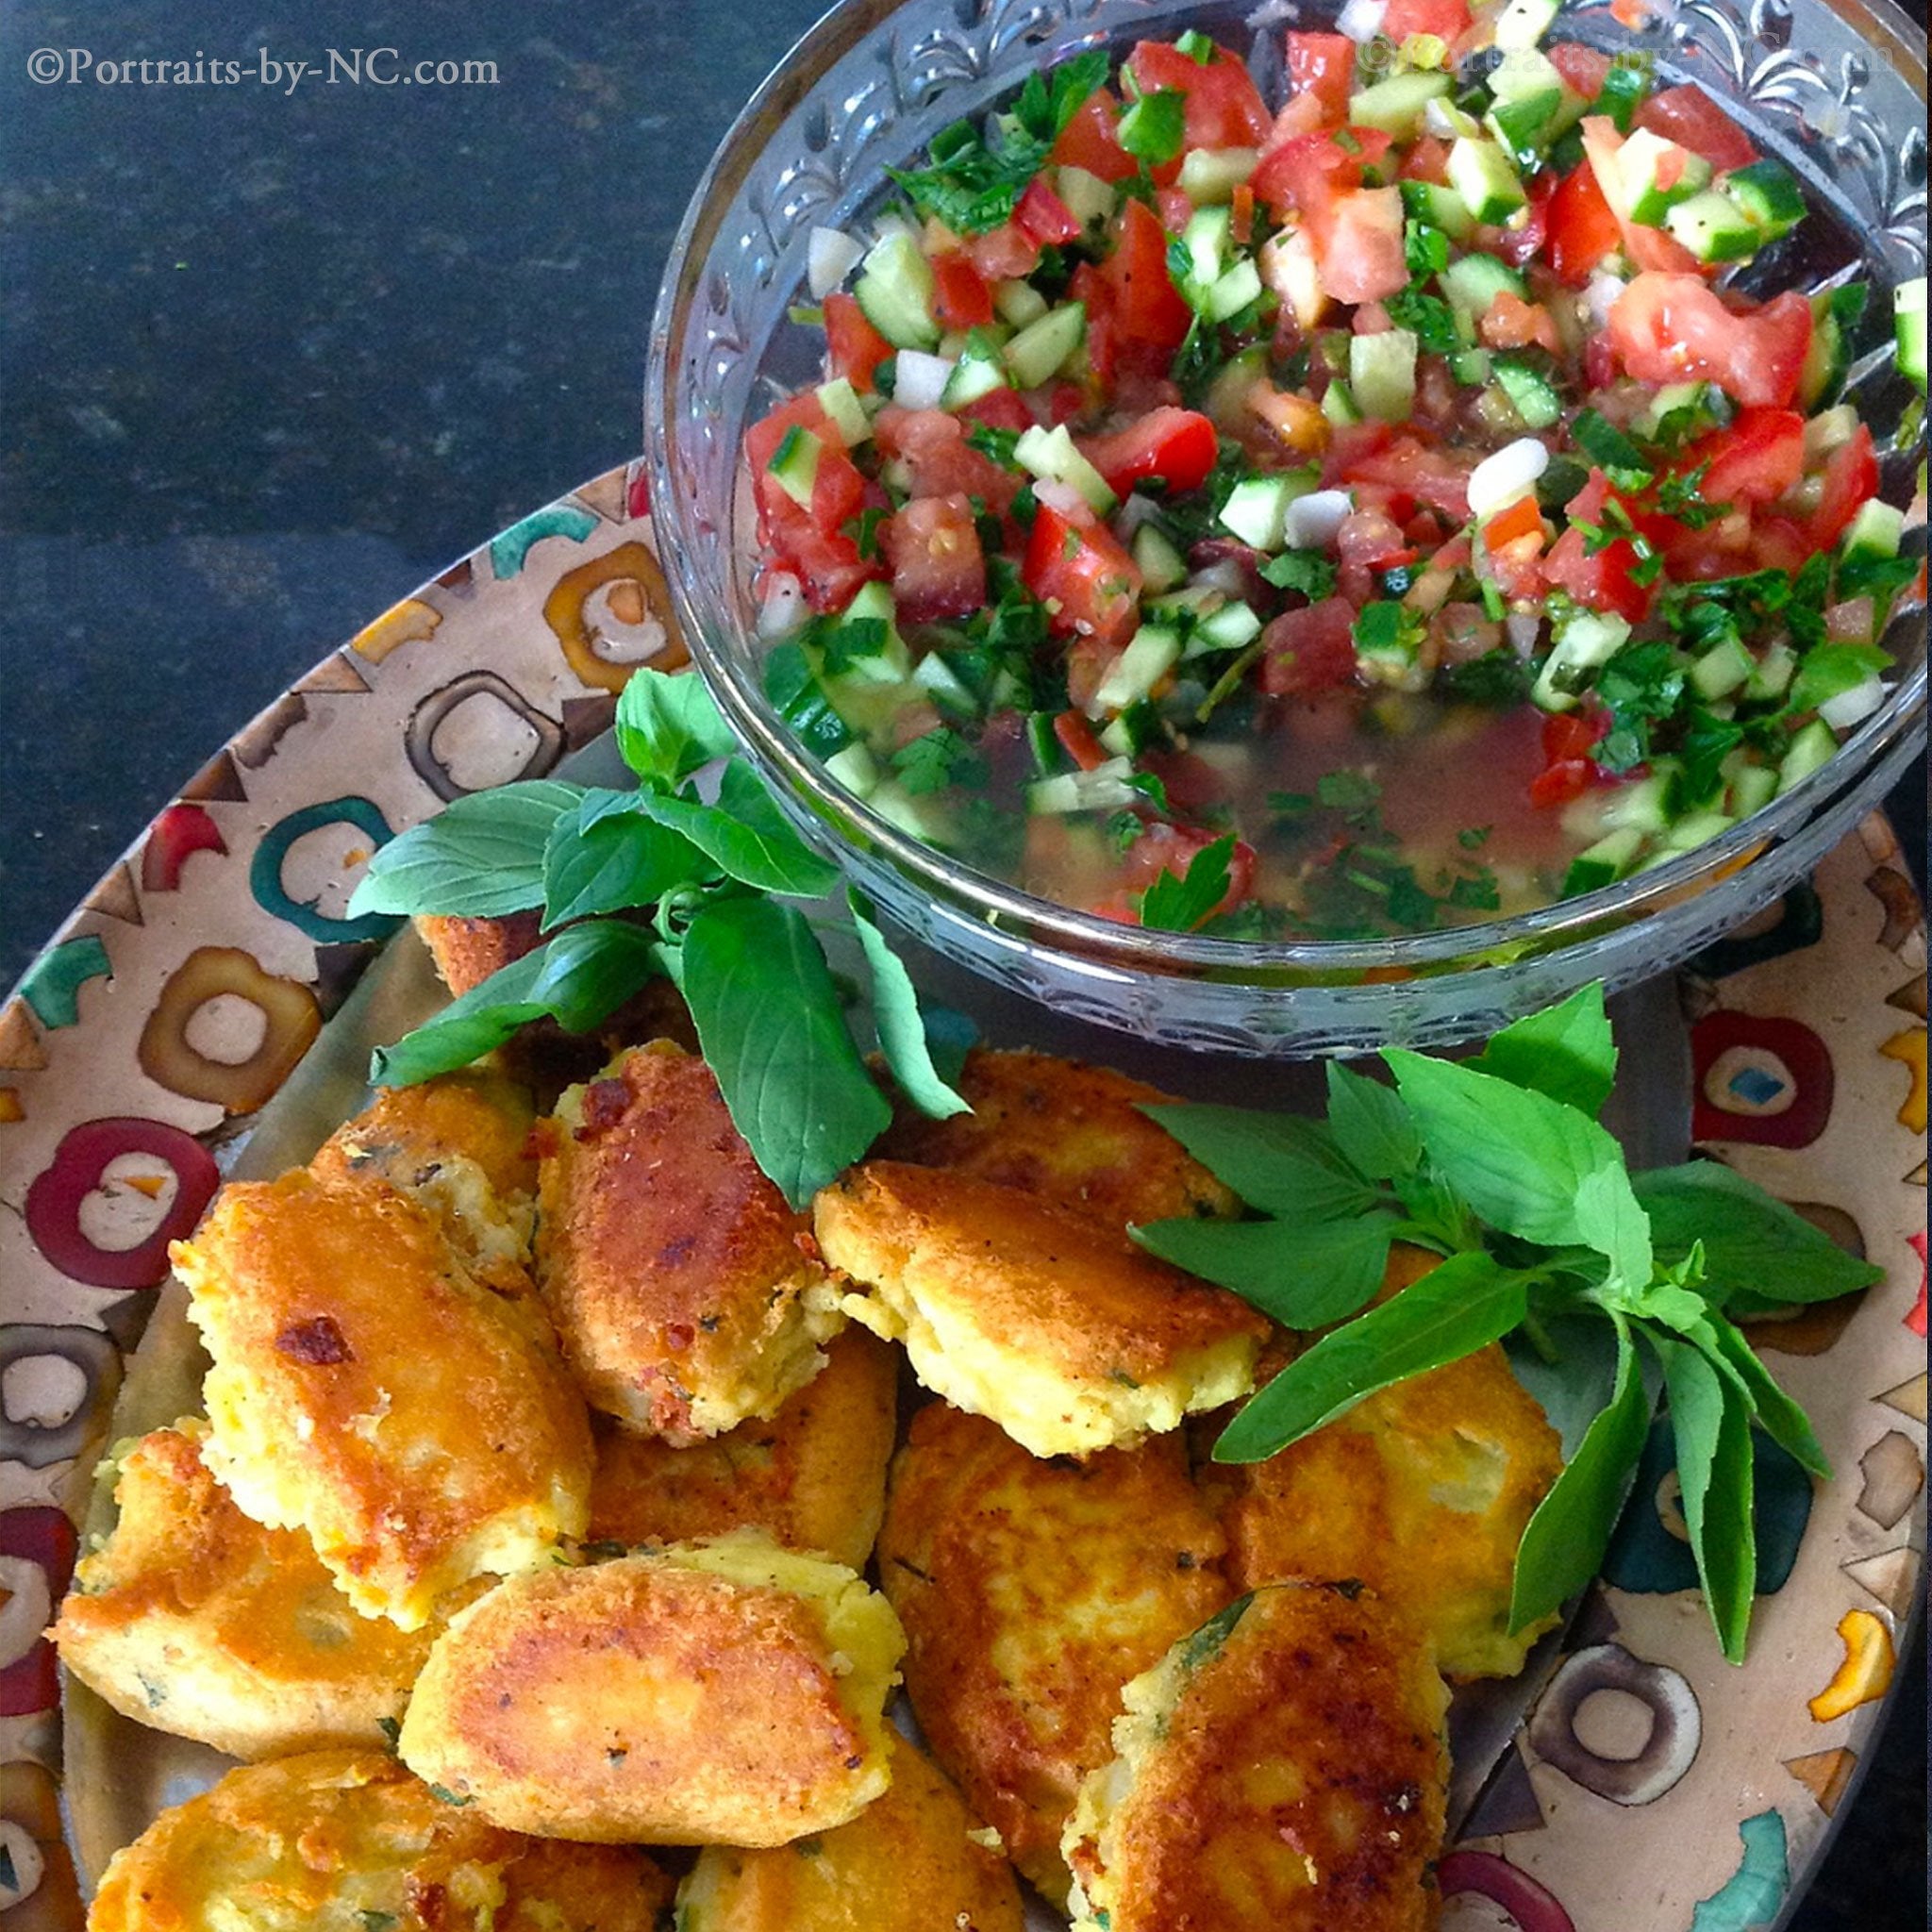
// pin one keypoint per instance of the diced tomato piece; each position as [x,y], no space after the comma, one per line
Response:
[802,411]
[826,562]
[1523,244]
[1178,445]
[1582,229]
[1240,227]
[1175,207]
[1311,650]
[1088,142]
[1044,216]
[1558,784]
[1851,477]
[1427,159]
[932,444]
[1005,253]
[1570,735]
[853,348]
[937,567]
[1689,117]
[1075,566]
[1065,400]
[837,492]
[1163,847]
[1520,519]
[1448,20]
[999,409]
[1583,68]
[1323,65]
[1673,328]
[1403,465]
[1602,580]
[1136,317]
[960,298]
[1077,740]
[1648,248]
[1758,457]
[1510,323]
[1224,106]
[1360,258]
[1776,544]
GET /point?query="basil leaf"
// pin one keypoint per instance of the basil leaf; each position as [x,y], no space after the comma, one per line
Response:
[1568,1363]
[1372,1127]
[1274,1163]
[1781,1419]
[479,857]
[1452,1311]
[668,727]
[1710,1426]
[1527,1164]
[1563,1543]
[604,857]
[772,1028]
[1173,903]
[1830,670]
[1758,1253]
[746,834]
[896,1018]
[577,978]
[1565,1051]
[1304,1273]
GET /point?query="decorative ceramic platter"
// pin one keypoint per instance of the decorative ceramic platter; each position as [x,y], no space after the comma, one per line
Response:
[1652,1786]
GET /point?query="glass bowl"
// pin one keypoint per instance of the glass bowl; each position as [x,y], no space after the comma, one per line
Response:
[1835,91]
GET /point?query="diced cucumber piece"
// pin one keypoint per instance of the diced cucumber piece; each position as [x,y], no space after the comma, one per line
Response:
[1136,729]
[856,769]
[1396,105]
[1052,456]
[1875,530]
[920,818]
[1835,313]
[890,662]
[1713,227]
[1752,788]
[1585,640]
[1447,122]
[1523,23]
[839,401]
[1151,652]
[1161,566]
[1531,394]
[1471,282]
[794,465]
[1037,350]
[1194,601]
[1103,788]
[1236,287]
[1470,366]
[1049,755]
[1830,429]
[1674,398]
[1257,507]
[1723,669]
[933,673]
[1626,88]
[1227,401]
[1205,241]
[1695,828]
[1908,320]
[1646,163]
[973,378]
[894,289]
[1643,804]
[1210,175]
[1526,128]
[1018,303]
[1603,863]
[1338,404]
[1089,200]
[1811,748]
[1440,206]
[1479,171]
[1769,195]
[1771,676]
[1227,629]
[1381,373]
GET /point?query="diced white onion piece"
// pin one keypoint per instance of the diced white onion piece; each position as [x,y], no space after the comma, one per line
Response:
[1226,575]
[830,256]
[918,380]
[1062,497]
[1510,473]
[1522,626]
[1361,20]
[783,609]
[1313,519]
[1853,707]
[892,223]
[1600,296]
[1136,510]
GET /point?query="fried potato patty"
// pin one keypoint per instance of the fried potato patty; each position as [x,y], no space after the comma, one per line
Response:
[460,1146]
[347,1841]
[1030,1592]
[468,951]
[728,1692]
[1282,1770]
[367,1389]
[1070,1132]
[907,1863]
[676,1272]
[1422,1491]
[1064,1332]
[194,1619]
[814,1476]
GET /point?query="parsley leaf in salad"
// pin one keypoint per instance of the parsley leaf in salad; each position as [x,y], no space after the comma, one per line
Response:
[1610,1286]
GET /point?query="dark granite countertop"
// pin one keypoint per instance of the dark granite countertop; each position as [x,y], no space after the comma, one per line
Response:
[271,355]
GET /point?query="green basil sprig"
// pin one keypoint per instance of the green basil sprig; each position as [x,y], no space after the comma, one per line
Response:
[1615,1283]
[706,891]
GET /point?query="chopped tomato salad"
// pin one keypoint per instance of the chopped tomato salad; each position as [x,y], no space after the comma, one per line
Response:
[1335,515]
